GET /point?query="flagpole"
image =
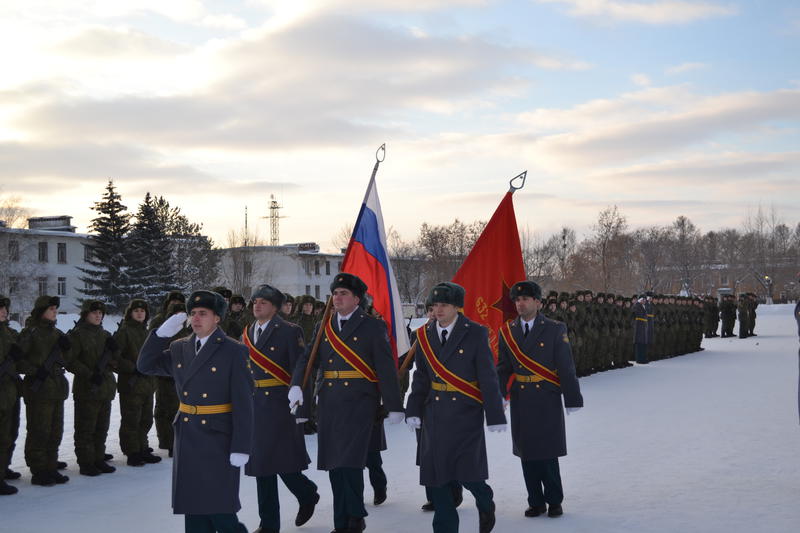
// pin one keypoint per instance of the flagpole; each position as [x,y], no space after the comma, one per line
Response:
[522,176]
[380,156]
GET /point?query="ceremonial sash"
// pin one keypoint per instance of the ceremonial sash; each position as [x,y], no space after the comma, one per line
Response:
[461,385]
[347,353]
[265,363]
[532,366]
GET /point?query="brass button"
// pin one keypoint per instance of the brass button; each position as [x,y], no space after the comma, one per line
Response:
[346,384]
[203,421]
[179,365]
[330,384]
[355,338]
[266,393]
[185,418]
[213,369]
[541,344]
[522,386]
[454,398]
[437,398]
[205,395]
[330,360]
[185,393]
[460,350]
[538,387]
[271,348]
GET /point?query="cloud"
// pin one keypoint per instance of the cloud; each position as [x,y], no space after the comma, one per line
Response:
[657,12]
[642,80]
[685,67]
[103,42]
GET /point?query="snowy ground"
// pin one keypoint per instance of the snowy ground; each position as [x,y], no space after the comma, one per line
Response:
[706,442]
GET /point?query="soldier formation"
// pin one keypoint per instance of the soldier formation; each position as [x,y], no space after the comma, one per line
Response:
[232,390]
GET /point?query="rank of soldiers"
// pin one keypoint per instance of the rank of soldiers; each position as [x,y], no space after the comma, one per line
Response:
[224,381]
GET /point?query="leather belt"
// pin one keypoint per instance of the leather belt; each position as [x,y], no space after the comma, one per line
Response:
[205,409]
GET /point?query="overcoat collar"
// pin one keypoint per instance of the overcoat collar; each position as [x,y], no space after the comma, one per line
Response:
[209,348]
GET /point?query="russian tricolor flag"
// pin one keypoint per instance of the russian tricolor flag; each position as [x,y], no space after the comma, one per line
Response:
[367,257]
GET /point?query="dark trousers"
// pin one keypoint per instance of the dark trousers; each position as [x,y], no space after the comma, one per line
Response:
[166,408]
[45,427]
[92,418]
[377,477]
[136,412]
[543,481]
[347,485]
[455,486]
[269,508]
[640,350]
[445,516]
[213,523]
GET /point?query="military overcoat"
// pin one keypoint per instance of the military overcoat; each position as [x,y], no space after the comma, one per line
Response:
[452,444]
[203,480]
[279,446]
[537,414]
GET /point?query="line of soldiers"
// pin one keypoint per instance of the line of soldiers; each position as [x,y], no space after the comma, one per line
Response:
[746,310]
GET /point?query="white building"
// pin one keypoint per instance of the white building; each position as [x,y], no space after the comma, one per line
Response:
[42,259]
[293,268]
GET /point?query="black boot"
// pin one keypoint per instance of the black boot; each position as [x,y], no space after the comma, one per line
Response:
[107,457]
[536,510]
[380,496]
[149,458]
[458,495]
[555,511]
[10,474]
[169,453]
[6,489]
[58,477]
[104,467]
[61,465]
[135,459]
[306,511]
[486,520]
[356,525]
[427,506]
[43,479]
[89,470]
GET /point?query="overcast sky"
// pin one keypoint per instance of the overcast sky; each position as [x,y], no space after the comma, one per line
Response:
[662,107]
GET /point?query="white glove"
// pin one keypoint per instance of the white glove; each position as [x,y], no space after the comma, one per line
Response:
[505,404]
[498,428]
[396,417]
[300,420]
[239,459]
[572,409]
[413,422]
[171,326]
[295,396]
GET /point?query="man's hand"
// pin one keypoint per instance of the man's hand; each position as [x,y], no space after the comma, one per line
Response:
[396,417]
[171,326]
[239,459]
[295,396]
[413,423]
[572,409]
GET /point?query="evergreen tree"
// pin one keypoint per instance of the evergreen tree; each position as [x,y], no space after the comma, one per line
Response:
[108,279]
[152,271]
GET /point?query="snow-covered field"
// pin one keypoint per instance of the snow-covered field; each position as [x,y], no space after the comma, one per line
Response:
[708,442]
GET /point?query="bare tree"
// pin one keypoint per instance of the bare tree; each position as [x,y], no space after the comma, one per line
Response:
[611,225]
[12,212]
[341,239]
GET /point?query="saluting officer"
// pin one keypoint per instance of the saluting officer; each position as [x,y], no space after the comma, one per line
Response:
[536,352]
[454,387]
[214,429]
[357,371]
[279,447]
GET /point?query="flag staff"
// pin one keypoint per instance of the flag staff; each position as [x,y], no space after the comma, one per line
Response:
[523,176]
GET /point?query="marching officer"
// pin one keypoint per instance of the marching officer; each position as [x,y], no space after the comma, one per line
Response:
[135,389]
[213,434]
[9,398]
[279,446]
[93,355]
[454,387]
[357,371]
[45,349]
[640,329]
[536,352]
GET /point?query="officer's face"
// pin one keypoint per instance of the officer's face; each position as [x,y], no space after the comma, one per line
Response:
[3,314]
[95,318]
[308,308]
[527,306]
[445,313]
[203,321]
[139,314]
[344,301]
[287,308]
[263,309]
[50,313]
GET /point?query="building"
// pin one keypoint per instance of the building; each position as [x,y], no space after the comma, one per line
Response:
[42,259]
[293,268]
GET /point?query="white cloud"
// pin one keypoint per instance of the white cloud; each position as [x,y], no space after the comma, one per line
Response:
[657,12]
[685,67]
[642,80]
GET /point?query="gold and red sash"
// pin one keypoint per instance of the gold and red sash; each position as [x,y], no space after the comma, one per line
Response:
[528,363]
[347,353]
[461,385]
[265,363]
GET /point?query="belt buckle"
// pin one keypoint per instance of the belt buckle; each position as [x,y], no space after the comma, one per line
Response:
[193,410]
[335,374]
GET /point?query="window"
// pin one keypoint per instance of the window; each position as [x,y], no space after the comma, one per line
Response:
[43,252]
[316,268]
[339,267]
[327,268]
[62,286]
[308,289]
[87,253]
[42,286]
[316,292]
[723,279]
[13,250]
[248,268]
[62,253]
[13,285]
[247,292]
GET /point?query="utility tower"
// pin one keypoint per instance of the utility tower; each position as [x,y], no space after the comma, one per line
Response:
[274,221]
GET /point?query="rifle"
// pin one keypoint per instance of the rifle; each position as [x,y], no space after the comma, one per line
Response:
[104,360]
[53,358]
